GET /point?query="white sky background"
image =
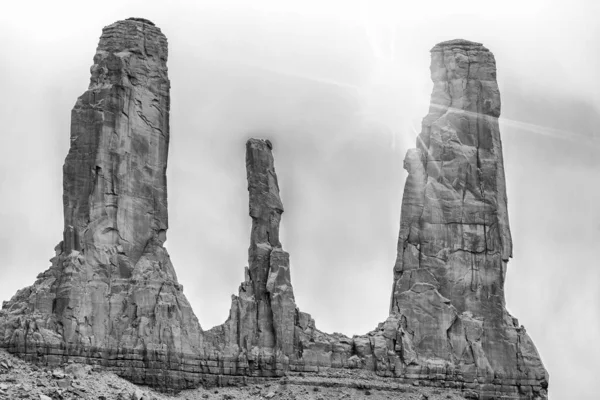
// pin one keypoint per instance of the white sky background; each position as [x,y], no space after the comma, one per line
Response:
[340,88]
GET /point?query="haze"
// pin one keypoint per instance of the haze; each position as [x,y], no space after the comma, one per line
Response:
[340,89]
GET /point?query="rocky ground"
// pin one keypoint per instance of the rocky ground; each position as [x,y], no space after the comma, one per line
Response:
[21,380]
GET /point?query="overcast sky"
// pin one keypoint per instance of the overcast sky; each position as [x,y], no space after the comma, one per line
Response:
[340,89]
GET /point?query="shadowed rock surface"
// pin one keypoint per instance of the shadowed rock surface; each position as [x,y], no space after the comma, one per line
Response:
[260,329]
[111,296]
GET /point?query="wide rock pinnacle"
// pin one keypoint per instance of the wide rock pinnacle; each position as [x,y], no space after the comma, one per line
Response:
[454,242]
[111,295]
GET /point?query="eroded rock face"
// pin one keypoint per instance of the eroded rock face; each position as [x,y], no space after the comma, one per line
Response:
[454,241]
[111,295]
[259,334]
[448,325]
[268,274]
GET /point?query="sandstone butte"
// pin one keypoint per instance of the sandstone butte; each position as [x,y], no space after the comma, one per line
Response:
[111,296]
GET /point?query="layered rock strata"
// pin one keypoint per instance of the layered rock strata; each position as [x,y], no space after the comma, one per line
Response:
[111,295]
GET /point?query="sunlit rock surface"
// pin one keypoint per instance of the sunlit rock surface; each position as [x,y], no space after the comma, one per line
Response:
[454,242]
[111,296]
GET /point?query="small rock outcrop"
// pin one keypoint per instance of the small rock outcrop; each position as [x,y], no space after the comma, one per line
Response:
[111,296]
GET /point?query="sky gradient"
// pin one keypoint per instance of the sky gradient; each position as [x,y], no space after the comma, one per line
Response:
[340,89]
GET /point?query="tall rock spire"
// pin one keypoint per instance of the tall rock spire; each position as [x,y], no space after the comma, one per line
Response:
[262,320]
[111,295]
[268,270]
[454,241]
[115,189]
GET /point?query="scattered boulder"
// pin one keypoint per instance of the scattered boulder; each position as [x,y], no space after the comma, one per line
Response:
[78,370]
[58,374]
[137,395]
[64,383]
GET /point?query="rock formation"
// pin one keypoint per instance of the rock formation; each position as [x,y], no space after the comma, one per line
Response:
[111,295]
[260,327]
[454,242]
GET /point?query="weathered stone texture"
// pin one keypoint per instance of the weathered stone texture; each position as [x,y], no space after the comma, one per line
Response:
[262,317]
[425,338]
[111,294]
[454,241]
